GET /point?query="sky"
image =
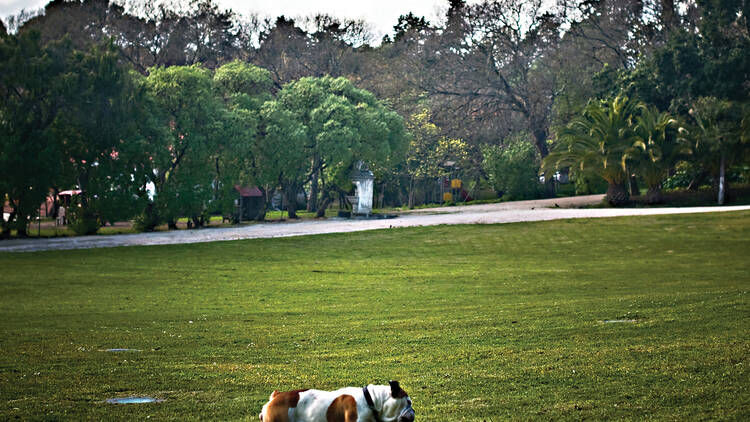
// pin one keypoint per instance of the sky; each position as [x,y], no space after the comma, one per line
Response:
[381,14]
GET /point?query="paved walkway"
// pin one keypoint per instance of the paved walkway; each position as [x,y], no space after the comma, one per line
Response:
[505,212]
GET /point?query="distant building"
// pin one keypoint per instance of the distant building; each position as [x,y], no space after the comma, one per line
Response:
[250,204]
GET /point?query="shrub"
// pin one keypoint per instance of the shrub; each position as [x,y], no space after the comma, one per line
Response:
[147,221]
[587,183]
[83,221]
[513,169]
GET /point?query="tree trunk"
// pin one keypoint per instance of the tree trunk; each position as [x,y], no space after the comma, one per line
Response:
[381,195]
[150,218]
[83,184]
[668,20]
[654,195]
[262,213]
[55,202]
[21,225]
[633,185]
[172,224]
[322,209]
[312,201]
[540,141]
[617,194]
[722,178]
[411,193]
[291,201]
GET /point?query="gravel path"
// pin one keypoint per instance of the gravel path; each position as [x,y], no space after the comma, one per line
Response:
[506,212]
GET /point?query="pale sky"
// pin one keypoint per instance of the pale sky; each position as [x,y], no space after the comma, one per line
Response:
[381,14]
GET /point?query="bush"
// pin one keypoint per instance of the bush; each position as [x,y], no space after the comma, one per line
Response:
[83,221]
[147,221]
[513,169]
[587,183]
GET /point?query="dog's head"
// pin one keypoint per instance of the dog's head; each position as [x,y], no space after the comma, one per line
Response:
[398,405]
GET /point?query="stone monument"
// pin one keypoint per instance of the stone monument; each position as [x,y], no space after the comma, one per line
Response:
[363,180]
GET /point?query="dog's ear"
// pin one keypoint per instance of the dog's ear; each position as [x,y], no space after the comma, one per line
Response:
[395,388]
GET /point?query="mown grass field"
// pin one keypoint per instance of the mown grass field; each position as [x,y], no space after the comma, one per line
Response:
[479,323]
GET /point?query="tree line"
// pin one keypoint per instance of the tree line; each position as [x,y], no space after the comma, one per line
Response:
[495,90]
[81,118]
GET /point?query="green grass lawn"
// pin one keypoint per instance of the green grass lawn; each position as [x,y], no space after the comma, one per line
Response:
[479,323]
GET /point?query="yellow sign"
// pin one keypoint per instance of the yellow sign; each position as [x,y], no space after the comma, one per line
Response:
[447,197]
[456,183]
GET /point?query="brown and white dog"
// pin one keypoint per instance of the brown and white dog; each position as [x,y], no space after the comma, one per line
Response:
[373,403]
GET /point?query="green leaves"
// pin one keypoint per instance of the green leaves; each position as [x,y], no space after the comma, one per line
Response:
[513,169]
[74,118]
[660,145]
[429,149]
[330,125]
[30,100]
[600,141]
[597,141]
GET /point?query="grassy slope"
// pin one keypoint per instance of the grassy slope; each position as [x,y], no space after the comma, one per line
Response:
[478,322]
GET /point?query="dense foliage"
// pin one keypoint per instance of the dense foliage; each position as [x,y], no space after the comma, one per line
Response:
[512,169]
[190,100]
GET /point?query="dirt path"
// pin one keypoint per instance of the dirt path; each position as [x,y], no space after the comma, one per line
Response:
[506,212]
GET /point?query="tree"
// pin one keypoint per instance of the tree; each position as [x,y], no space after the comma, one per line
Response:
[388,71]
[718,137]
[149,34]
[182,165]
[605,40]
[407,26]
[513,169]
[91,22]
[661,146]
[30,85]
[99,131]
[282,156]
[429,153]
[599,141]
[333,44]
[285,51]
[244,89]
[342,125]
[487,70]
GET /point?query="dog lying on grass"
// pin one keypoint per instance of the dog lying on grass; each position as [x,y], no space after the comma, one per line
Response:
[373,403]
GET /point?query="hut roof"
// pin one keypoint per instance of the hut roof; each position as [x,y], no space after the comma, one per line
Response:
[248,191]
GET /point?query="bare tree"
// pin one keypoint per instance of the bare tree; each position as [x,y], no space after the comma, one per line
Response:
[488,67]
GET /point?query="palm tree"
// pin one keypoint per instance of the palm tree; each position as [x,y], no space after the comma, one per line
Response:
[661,145]
[719,134]
[599,141]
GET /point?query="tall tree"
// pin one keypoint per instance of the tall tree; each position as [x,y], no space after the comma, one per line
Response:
[101,130]
[341,124]
[244,89]
[182,166]
[148,33]
[718,137]
[285,51]
[30,86]
[487,69]
[384,70]
[662,145]
[430,154]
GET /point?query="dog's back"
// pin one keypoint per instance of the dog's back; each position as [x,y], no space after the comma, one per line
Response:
[346,404]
